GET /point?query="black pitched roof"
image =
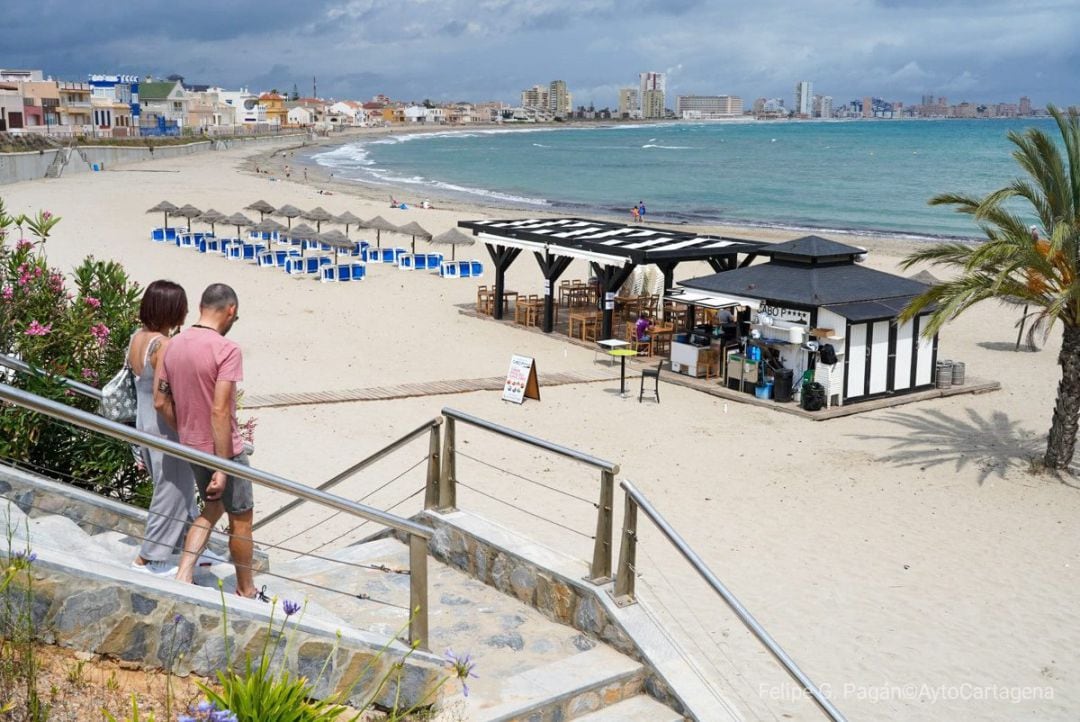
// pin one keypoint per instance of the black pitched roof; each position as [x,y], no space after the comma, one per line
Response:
[808,285]
[812,249]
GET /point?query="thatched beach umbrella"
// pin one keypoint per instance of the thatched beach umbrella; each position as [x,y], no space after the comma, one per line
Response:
[337,240]
[414,229]
[379,224]
[166,208]
[289,212]
[211,218]
[319,214]
[453,238]
[188,211]
[348,219]
[238,219]
[302,232]
[262,207]
[268,225]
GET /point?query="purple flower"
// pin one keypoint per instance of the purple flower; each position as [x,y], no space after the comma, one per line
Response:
[462,668]
[290,607]
[26,557]
[205,707]
[36,329]
[46,215]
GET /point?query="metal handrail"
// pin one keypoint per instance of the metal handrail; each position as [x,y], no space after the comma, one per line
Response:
[624,588]
[21,366]
[418,533]
[445,497]
[428,427]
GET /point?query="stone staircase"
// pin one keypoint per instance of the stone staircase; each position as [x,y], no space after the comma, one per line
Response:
[528,667]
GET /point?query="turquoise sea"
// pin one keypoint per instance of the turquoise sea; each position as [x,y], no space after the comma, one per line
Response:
[859,175]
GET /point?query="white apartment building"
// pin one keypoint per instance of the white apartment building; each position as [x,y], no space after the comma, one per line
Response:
[652,87]
[708,107]
[559,99]
[804,99]
[629,106]
[538,96]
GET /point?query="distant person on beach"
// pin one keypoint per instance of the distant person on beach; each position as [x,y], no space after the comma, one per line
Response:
[633,214]
[197,390]
[641,211]
[287,171]
[172,506]
[305,174]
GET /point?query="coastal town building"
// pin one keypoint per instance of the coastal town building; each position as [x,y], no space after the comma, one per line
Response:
[114,101]
[75,107]
[823,106]
[41,103]
[560,100]
[652,87]
[629,107]
[12,75]
[163,104]
[708,107]
[276,112]
[11,107]
[538,96]
[803,107]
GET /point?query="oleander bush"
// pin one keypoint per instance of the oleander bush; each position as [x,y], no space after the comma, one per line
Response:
[73,326]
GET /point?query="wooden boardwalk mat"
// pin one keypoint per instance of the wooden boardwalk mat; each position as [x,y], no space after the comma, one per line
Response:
[431,388]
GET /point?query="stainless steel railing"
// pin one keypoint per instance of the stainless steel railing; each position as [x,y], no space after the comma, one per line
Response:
[78,387]
[445,496]
[624,588]
[418,534]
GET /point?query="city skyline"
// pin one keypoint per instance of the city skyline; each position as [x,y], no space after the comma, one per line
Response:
[492,49]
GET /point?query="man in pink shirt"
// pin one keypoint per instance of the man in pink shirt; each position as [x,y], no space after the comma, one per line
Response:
[196,392]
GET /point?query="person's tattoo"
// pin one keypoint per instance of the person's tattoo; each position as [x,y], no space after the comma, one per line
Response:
[163,387]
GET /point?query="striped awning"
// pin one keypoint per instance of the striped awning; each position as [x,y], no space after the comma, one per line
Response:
[605,242]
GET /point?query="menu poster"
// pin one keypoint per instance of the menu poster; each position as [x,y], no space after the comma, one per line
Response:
[521,382]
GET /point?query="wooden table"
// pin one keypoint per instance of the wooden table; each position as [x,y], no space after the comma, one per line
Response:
[530,309]
[622,353]
[579,295]
[660,334]
[585,319]
[486,302]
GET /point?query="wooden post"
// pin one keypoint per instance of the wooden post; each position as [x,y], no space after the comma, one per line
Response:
[448,479]
[552,269]
[502,258]
[624,575]
[418,591]
[434,470]
[600,569]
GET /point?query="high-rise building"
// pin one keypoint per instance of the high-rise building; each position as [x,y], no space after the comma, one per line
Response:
[537,96]
[822,106]
[629,107]
[803,99]
[560,102]
[867,107]
[655,84]
[1025,105]
[708,107]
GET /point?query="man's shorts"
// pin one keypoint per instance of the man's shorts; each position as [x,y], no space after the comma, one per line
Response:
[237,497]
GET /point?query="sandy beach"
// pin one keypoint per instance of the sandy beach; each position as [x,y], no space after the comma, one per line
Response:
[906,558]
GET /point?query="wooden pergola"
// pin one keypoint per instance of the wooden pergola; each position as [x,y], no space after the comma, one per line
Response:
[613,250]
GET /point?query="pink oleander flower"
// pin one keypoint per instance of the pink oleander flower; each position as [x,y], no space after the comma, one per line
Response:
[92,302]
[101,332]
[37,272]
[90,375]
[46,215]
[56,282]
[36,329]
[8,293]
[23,245]
[247,430]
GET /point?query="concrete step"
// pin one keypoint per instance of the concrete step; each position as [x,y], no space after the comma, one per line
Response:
[504,637]
[636,709]
[563,689]
[62,534]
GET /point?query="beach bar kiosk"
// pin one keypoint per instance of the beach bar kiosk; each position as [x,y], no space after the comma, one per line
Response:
[814,290]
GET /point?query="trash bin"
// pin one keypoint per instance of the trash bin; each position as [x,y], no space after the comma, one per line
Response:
[782,383]
[813,396]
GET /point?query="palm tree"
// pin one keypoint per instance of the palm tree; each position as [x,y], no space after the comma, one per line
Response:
[1013,264]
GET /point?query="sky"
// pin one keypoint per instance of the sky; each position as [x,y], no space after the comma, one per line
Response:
[982,51]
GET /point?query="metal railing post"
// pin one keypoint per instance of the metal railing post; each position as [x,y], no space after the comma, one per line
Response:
[624,575]
[448,478]
[418,591]
[600,570]
[434,469]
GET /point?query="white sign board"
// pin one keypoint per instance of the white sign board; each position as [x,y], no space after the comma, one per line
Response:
[521,381]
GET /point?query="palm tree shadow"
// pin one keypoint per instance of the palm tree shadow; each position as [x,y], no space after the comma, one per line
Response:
[993,445]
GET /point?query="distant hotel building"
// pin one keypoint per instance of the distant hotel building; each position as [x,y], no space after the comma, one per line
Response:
[536,97]
[629,107]
[560,102]
[804,99]
[651,89]
[708,107]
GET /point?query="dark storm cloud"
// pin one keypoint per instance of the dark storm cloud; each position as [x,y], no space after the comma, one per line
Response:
[978,50]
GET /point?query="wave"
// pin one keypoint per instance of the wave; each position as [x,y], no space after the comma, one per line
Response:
[667,147]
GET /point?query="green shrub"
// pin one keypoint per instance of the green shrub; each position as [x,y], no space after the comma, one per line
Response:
[75,327]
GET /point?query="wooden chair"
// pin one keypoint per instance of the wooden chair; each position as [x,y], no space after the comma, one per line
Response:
[711,360]
[483,300]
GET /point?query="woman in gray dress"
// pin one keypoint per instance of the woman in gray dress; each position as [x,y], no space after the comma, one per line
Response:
[162,312]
